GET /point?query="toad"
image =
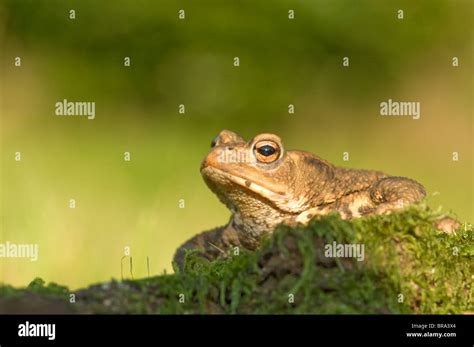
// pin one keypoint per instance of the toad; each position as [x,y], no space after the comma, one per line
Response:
[265,185]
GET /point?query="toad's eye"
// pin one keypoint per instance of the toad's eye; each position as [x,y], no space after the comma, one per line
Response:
[267,151]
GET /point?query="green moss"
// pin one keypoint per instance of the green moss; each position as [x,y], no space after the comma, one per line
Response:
[409,267]
[37,286]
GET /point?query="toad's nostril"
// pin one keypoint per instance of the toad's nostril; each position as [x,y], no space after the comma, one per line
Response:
[214,142]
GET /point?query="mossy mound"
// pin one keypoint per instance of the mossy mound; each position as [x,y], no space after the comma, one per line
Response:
[408,267]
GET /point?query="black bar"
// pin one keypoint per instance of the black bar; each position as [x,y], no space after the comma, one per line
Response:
[248,330]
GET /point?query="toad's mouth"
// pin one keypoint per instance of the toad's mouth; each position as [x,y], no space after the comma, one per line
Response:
[281,200]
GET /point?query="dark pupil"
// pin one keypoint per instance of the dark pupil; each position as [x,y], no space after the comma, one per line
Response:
[266,150]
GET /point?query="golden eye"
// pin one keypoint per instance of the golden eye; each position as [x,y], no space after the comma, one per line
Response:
[267,151]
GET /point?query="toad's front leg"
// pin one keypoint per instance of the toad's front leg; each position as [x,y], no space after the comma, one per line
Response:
[211,244]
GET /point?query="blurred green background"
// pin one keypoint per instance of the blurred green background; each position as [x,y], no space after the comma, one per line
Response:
[190,62]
